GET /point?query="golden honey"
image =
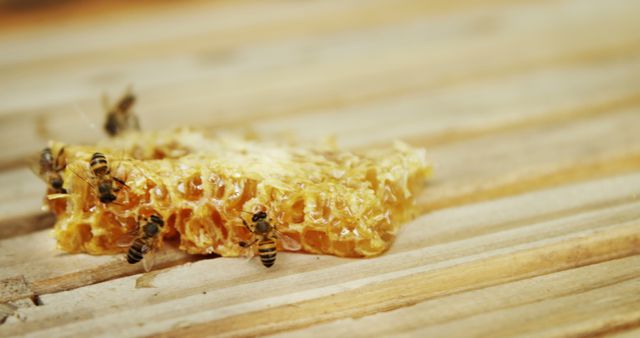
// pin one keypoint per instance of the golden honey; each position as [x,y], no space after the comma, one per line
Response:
[333,202]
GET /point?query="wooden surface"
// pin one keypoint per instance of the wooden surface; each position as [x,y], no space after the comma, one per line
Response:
[530,111]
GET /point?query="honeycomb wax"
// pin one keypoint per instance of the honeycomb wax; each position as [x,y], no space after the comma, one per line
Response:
[331,201]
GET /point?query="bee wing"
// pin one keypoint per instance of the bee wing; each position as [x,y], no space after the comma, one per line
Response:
[248,254]
[247,251]
[127,238]
[149,259]
[127,99]
[288,242]
[123,157]
[149,251]
[61,160]
[80,176]
[34,165]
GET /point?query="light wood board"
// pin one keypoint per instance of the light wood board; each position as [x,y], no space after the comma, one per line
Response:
[529,110]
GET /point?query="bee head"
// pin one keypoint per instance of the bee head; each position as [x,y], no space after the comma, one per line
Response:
[46,160]
[107,198]
[46,155]
[56,183]
[157,220]
[260,215]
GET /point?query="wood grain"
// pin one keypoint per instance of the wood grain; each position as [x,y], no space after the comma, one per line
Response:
[503,246]
[218,96]
[514,308]
[529,111]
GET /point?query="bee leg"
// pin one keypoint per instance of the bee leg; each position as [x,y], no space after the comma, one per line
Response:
[246,245]
[121,182]
[246,225]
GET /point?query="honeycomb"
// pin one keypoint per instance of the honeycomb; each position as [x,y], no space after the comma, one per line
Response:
[331,201]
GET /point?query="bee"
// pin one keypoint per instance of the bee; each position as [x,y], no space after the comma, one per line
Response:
[101,171]
[50,168]
[265,235]
[119,117]
[143,242]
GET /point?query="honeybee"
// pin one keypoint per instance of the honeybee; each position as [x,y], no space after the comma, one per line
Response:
[143,242]
[265,235]
[103,179]
[50,168]
[119,117]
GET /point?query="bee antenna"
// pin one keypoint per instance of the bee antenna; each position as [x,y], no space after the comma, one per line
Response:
[82,178]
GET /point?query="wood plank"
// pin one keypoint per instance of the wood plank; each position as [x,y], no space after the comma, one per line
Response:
[442,125]
[384,296]
[35,259]
[223,29]
[554,95]
[256,20]
[332,81]
[25,224]
[25,15]
[510,247]
[529,110]
[574,315]
[503,164]
[559,300]
[630,331]
[252,22]
[23,195]
[22,251]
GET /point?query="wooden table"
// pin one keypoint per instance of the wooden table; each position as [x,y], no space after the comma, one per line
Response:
[530,111]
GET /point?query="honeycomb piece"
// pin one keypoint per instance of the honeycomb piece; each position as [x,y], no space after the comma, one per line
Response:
[332,202]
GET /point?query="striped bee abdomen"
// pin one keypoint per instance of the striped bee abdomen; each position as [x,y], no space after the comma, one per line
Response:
[267,252]
[99,164]
[136,251]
